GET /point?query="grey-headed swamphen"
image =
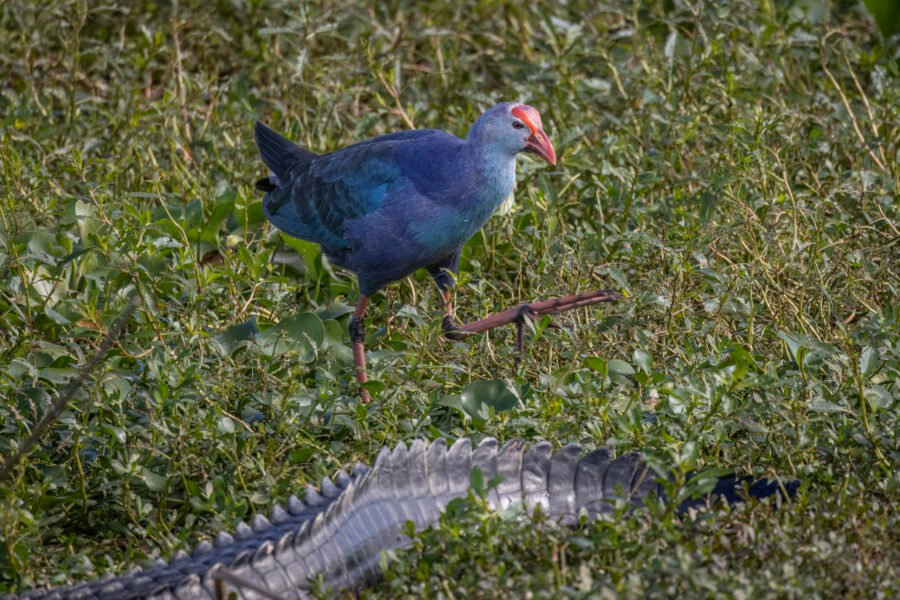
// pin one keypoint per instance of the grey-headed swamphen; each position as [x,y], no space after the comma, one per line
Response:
[395,203]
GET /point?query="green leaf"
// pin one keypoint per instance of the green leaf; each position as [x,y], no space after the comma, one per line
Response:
[596,364]
[825,406]
[307,250]
[236,336]
[301,334]
[334,334]
[156,483]
[374,386]
[56,317]
[753,426]
[806,351]
[620,367]
[88,224]
[42,245]
[868,361]
[470,410]
[117,433]
[886,14]
[58,376]
[248,211]
[476,480]
[453,401]
[335,310]
[688,455]
[225,425]
[794,343]
[497,394]
[480,399]
[619,277]
[223,207]
[878,397]
[341,354]
[643,360]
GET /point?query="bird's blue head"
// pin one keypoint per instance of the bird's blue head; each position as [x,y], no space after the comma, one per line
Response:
[511,128]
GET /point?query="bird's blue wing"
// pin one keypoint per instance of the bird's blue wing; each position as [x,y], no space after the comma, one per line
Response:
[321,195]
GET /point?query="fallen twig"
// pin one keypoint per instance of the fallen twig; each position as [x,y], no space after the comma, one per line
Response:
[71,388]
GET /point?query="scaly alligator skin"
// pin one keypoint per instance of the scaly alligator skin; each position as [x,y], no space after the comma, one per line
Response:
[338,532]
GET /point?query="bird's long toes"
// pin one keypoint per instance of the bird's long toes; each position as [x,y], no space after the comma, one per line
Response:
[553,325]
[524,311]
[452,330]
[457,335]
[448,324]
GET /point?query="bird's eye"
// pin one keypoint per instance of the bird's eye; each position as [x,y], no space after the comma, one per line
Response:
[518,125]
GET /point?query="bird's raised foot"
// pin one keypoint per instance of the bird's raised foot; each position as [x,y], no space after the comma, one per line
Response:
[517,314]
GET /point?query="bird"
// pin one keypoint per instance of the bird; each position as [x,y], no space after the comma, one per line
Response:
[387,206]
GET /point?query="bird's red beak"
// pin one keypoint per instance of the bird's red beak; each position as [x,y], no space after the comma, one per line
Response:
[538,142]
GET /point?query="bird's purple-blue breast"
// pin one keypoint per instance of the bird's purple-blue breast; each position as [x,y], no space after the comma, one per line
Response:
[456,190]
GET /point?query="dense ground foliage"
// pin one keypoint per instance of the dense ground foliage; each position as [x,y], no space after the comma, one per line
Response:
[730,167]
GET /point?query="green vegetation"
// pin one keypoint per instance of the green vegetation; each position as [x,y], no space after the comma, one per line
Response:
[731,167]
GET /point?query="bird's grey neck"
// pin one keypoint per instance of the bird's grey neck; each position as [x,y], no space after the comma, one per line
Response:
[496,175]
[487,158]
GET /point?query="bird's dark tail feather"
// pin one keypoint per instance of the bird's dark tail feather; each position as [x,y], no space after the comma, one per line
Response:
[738,489]
[266,185]
[279,153]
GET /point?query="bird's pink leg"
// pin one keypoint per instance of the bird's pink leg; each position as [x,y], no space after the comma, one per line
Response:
[448,323]
[358,343]
[448,303]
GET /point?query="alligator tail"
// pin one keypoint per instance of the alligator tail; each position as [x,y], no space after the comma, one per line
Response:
[336,534]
